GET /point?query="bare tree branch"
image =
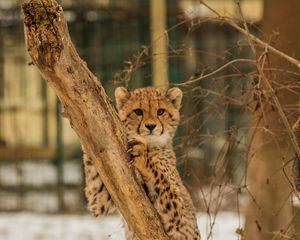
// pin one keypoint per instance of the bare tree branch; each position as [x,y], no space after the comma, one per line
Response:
[252,37]
[271,91]
[89,110]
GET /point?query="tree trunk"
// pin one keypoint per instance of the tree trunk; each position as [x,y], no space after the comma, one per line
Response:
[269,212]
[89,110]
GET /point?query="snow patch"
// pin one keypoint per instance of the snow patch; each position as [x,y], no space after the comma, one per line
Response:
[30,226]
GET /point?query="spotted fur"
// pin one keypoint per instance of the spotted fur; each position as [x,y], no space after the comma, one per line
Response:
[150,116]
[99,200]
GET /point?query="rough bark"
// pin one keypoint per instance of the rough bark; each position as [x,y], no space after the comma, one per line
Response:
[89,111]
[270,214]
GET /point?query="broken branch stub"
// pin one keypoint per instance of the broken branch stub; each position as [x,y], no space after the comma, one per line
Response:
[89,111]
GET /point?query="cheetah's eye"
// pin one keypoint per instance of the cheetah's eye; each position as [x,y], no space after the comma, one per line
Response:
[138,111]
[160,111]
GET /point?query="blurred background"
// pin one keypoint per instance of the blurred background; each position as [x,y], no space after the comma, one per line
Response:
[140,43]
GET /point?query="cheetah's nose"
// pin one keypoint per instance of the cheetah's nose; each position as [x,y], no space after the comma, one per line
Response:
[150,126]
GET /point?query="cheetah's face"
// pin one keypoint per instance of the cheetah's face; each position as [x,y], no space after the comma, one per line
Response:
[150,112]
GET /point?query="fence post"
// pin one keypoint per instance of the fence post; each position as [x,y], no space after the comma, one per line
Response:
[159,43]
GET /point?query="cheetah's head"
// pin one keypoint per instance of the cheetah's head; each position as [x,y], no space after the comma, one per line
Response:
[150,112]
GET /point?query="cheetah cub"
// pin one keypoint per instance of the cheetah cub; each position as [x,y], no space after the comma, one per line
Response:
[150,117]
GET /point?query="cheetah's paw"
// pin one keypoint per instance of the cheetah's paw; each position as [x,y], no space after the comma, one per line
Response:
[137,148]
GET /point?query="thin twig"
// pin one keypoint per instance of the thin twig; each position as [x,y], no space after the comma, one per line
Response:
[215,71]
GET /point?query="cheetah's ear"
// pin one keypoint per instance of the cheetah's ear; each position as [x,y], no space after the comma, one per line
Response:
[121,96]
[175,96]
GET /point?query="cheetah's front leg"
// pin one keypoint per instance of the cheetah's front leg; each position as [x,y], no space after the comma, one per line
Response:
[137,148]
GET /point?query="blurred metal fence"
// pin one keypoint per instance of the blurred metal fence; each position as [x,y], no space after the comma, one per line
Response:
[40,156]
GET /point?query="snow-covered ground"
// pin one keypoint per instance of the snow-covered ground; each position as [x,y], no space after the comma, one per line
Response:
[35,226]
[31,226]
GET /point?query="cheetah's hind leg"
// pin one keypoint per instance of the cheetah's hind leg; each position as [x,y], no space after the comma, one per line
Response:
[99,199]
